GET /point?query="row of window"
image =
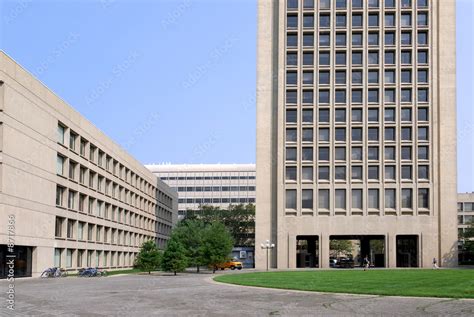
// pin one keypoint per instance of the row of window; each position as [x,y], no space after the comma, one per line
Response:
[390,20]
[80,258]
[87,150]
[102,184]
[355,4]
[80,202]
[372,77]
[465,219]
[405,58]
[215,188]
[357,135]
[356,116]
[468,206]
[217,200]
[198,178]
[83,231]
[341,200]
[357,173]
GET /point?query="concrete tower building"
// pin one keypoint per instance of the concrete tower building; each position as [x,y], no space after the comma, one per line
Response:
[356,130]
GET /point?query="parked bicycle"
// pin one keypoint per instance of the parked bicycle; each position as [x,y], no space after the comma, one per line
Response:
[54,272]
[91,272]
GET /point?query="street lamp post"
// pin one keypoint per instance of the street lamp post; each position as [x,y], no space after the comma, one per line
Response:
[267,245]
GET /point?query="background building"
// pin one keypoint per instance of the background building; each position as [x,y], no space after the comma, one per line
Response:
[356,129]
[74,197]
[465,210]
[216,185]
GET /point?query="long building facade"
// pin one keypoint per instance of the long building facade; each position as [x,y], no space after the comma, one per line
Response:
[356,130]
[218,185]
[69,196]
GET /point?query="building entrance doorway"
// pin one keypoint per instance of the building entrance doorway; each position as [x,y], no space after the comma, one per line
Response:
[22,256]
[350,250]
[407,251]
[307,251]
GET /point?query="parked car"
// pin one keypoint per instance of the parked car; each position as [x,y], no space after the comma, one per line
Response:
[231,264]
[345,263]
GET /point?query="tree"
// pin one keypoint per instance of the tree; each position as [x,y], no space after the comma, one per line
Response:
[217,244]
[238,219]
[174,257]
[190,234]
[149,257]
[467,238]
[340,246]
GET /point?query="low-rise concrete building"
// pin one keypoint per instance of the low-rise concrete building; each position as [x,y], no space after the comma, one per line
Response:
[69,196]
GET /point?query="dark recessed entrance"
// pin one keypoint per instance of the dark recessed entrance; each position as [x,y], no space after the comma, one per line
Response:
[22,258]
[307,251]
[407,251]
[354,248]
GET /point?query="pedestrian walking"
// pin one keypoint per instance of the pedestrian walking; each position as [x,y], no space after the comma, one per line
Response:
[366,263]
[435,264]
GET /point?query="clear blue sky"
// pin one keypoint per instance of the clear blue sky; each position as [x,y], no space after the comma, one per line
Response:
[173,80]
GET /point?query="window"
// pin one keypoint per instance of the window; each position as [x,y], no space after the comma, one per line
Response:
[323,154]
[389,134]
[373,200]
[82,201]
[324,20]
[423,134]
[357,4]
[308,59]
[406,95]
[422,95]
[325,4]
[422,38]
[291,59]
[389,95]
[59,195]
[357,172]
[357,77]
[341,20]
[373,20]
[422,57]
[58,229]
[423,153]
[423,114]
[390,172]
[291,116]
[373,95]
[308,96]
[406,153]
[406,134]
[291,78]
[390,57]
[324,96]
[61,133]
[373,3]
[390,199]
[340,96]
[308,21]
[340,115]
[373,76]
[373,38]
[357,134]
[389,38]
[373,153]
[292,4]
[422,3]
[307,135]
[423,172]
[292,21]
[373,172]
[357,199]
[60,165]
[373,114]
[356,154]
[291,97]
[72,140]
[324,78]
[406,38]
[308,40]
[291,154]
[423,198]
[407,198]
[324,58]
[406,76]
[357,39]
[323,199]
[323,173]
[407,172]
[406,57]
[290,173]
[307,173]
[57,257]
[324,135]
[389,115]
[340,39]
[290,199]
[308,4]
[340,58]
[406,4]
[389,153]
[80,230]
[340,154]
[373,58]
[70,229]
[406,114]
[341,77]
[340,173]
[406,19]
[341,4]
[389,19]
[323,115]
[307,154]
[71,199]
[291,135]
[307,77]
[356,96]
[423,76]
[307,199]
[340,198]
[357,58]
[373,134]
[357,20]
[422,19]
[389,3]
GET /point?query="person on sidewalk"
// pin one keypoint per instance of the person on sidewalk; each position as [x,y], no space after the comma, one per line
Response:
[366,263]
[435,264]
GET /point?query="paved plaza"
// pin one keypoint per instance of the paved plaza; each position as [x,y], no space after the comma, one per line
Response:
[197,295]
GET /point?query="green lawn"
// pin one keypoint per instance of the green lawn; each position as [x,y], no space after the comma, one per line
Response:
[403,282]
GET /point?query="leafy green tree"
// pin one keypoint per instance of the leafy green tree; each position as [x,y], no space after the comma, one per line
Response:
[174,257]
[149,257]
[340,246]
[217,244]
[190,234]
[467,237]
[238,219]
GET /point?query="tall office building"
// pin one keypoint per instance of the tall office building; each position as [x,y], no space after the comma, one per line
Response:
[218,185]
[356,130]
[69,196]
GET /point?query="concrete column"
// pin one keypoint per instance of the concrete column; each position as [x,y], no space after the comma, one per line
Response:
[391,250]
[292,251]
[324,251]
